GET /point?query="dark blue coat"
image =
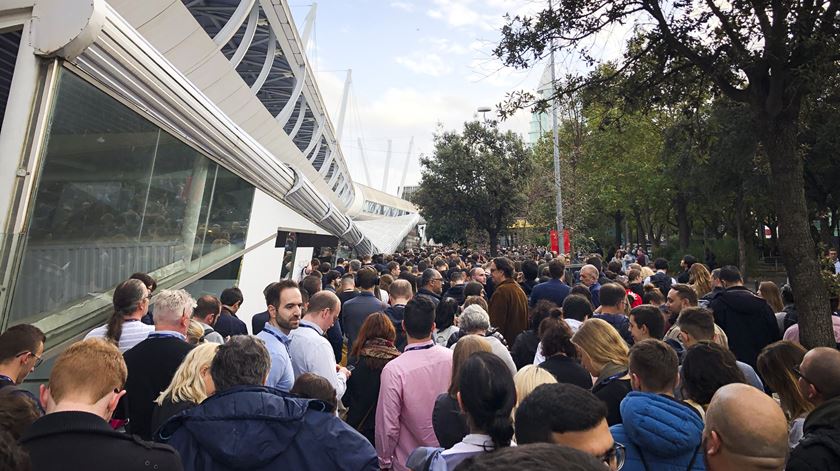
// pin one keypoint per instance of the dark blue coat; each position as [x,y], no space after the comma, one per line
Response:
[261,428]
[659,433]
[552,290]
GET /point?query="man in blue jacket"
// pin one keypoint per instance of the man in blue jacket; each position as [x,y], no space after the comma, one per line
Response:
[658,431]
[248,426]
[554,289]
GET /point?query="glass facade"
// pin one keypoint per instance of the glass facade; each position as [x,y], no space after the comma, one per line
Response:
[382,209]
[118,195]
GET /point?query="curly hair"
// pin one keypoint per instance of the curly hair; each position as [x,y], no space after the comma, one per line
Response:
[556,337]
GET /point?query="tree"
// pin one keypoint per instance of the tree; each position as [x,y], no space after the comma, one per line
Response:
[770,55]
[475,179]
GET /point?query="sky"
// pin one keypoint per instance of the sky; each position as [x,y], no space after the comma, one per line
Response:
[415,64]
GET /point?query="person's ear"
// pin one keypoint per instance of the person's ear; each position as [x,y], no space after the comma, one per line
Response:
[44,396]
[812,391]
[635,382]
[115,399]
[645,330]
[713,443]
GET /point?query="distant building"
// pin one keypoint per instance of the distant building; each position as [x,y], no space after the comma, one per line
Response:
[408,192]
[541,122]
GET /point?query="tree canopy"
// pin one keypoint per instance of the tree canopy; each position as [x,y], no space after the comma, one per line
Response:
[773,57]
[474,180]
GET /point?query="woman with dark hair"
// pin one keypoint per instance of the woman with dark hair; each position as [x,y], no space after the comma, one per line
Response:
[486,396]
[525,346]
[124,329]
[448,421]
[445,326]
[707,366]
[776,364]
[561,357]
[373,349]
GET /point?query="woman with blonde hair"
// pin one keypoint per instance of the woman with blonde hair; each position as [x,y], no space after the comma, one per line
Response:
[605,355]
[190,386]
[646,272]
[699,279]
[776,364]
[527,379]
[448,421]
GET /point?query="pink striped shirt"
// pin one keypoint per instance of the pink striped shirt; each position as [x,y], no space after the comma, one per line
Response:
[410,384]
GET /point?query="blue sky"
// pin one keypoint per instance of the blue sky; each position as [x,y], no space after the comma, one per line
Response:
[417,63]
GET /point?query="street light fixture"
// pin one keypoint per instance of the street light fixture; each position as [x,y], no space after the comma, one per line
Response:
[484,110]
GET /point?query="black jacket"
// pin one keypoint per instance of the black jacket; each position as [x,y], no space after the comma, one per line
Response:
[428,294]
[456,292]
[567,370]
[81,440]
[166,411]
[229,325]
[361,397]
[525,348]
[258,322]
[748,321]
[395,313]
[819,448]
[151,365]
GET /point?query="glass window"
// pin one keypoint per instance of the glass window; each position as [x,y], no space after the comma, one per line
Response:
[117,195]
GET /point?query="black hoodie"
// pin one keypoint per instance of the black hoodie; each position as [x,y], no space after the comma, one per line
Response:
[748,321]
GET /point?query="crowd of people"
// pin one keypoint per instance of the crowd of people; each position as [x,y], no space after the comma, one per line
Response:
[439,359]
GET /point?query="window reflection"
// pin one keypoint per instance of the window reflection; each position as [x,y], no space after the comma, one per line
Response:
[117,195]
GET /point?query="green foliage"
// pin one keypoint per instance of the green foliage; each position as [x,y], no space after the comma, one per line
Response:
[474,180]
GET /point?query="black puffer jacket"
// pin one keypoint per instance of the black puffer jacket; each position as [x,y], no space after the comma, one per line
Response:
[819,448]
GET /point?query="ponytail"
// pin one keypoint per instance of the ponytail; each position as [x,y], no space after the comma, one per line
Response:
[127,298]
[488,395]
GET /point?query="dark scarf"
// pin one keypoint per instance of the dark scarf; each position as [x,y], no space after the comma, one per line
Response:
[378,352]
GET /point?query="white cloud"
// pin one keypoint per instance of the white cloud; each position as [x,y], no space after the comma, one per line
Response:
[425,64]
[404,6]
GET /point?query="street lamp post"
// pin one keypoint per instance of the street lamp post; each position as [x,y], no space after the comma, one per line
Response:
[484,110]
[556,139]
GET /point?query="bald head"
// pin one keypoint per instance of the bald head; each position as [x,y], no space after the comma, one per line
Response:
[745,428]
[820,370]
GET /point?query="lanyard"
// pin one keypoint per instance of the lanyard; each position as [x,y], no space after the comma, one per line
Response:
[4,378]
[164,335]
[277,336]
[310,327]
[421,347]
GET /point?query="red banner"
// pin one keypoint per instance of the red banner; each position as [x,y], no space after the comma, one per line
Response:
[567,241]
[555,243]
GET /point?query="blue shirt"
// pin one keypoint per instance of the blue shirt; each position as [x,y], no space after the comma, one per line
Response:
[552,290]
[596,294]
[281,375]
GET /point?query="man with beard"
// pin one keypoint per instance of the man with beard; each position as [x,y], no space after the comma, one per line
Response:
[284,303]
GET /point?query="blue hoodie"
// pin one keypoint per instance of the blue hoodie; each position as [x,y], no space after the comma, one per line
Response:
[666,431]
[261,428]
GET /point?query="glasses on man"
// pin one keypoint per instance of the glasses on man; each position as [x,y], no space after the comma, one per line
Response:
[614,456]
[38,360]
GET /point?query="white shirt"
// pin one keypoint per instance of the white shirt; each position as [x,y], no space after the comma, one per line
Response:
[133,332]
[312,353]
